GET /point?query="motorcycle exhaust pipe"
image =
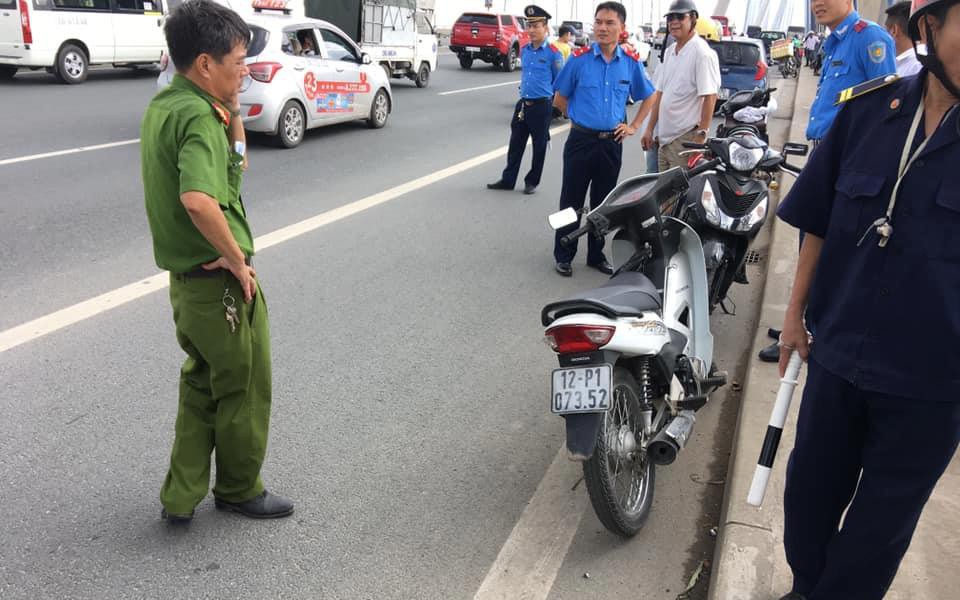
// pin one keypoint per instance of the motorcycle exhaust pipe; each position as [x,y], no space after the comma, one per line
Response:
[663,449]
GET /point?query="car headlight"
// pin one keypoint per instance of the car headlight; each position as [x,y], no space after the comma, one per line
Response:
[744,159]
[755,216]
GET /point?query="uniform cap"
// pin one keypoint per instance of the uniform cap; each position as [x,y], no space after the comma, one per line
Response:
[534,13]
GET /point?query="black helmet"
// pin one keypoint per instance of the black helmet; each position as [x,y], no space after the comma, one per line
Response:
[682,7]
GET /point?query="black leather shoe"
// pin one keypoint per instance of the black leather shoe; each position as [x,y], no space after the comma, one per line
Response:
[499,185]
[771,353]
[176,519]
[529,189]
[773,334]
[603,266]
[264,506]
[564,269]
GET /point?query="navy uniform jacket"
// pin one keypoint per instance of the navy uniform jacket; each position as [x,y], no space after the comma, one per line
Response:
[857,51]
[598,91]
[885,319]
[540,69]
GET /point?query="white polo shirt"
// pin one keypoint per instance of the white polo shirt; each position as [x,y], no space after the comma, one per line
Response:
[682,79]
[907,64]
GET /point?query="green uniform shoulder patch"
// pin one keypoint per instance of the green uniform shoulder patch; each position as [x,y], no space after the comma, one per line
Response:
[865,88]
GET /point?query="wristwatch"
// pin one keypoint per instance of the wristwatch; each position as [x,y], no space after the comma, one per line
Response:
[701,132]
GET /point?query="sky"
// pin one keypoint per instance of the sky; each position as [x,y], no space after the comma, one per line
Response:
[638,11]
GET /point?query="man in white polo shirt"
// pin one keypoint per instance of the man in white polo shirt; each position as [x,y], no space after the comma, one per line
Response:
[687,85]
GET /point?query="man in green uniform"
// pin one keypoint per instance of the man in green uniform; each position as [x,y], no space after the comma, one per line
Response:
[193,156]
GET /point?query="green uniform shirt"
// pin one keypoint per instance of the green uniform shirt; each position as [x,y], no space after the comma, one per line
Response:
[184,147]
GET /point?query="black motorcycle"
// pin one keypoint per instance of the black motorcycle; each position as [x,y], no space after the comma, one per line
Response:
[728,205]
[731,126]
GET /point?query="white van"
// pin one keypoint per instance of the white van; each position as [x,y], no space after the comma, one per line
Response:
[67,36]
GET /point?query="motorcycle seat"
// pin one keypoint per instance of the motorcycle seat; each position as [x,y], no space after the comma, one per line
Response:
[627,294]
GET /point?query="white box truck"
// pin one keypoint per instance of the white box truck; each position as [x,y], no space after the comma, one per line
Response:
[399,35]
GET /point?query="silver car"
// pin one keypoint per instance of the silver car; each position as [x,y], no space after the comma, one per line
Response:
[306,73]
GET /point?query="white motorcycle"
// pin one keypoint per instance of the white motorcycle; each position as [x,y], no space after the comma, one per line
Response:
[636,354]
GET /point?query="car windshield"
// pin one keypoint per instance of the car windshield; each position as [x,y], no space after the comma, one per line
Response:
[479,19]
[578,25]
[740,54]
[772,35]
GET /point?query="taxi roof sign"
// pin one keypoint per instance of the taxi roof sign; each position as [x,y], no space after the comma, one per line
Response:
[281,5]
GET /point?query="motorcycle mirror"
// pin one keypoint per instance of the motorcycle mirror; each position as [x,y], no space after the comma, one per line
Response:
[559,220]
[795,149]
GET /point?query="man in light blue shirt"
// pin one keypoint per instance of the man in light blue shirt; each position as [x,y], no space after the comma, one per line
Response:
[856,51]
[593,89]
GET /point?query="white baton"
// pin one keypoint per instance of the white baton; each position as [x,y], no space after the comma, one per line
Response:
[772,439]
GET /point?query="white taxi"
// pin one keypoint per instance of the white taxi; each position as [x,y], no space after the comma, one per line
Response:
[305,73]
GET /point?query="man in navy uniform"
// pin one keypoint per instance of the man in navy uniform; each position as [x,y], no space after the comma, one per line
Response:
[593,90]
[878,285]
[855,51]
[534,111]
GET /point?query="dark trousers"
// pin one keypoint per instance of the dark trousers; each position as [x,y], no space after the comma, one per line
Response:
[530,120]
[876,456]
[588,161]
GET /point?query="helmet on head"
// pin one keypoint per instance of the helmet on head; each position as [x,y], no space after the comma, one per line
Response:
[930,60]
[682,7]
[918,8]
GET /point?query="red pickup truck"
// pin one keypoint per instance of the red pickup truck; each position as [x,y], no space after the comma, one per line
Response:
[492,38]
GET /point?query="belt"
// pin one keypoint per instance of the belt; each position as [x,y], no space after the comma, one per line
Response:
[601,134]
[200,273]
[532,101]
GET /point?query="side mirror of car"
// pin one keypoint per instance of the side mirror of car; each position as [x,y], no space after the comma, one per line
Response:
[365,59]
[795,149]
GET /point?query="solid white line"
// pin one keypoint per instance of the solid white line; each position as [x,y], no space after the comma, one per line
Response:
[529,561]
[482,87]
[31,330]
[19,159]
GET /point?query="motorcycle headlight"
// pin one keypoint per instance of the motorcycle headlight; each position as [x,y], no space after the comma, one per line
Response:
[744,159]
[754,217]
[709,201]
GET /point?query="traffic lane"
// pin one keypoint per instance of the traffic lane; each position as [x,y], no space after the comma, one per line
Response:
[87,208]
[411,418]
[41,116]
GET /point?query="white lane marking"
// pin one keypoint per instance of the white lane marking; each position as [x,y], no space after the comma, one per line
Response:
[20,159]
[31,330]
[529,561]
[482,87]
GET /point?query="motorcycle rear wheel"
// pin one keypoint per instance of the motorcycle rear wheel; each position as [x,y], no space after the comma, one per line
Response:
[620,486]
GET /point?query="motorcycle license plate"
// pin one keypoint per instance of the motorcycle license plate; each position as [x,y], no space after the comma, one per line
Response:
[473,49]
[581,390]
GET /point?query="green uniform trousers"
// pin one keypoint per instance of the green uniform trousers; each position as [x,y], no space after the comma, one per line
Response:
[225,393]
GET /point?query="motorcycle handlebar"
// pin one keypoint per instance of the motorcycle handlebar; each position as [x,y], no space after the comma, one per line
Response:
[694,145]
[792,169]
[702,168]
[574,235]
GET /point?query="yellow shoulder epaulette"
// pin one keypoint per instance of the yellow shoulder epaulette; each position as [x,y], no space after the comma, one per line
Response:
[865,88]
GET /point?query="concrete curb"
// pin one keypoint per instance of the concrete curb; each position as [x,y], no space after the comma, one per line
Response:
[748,562]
